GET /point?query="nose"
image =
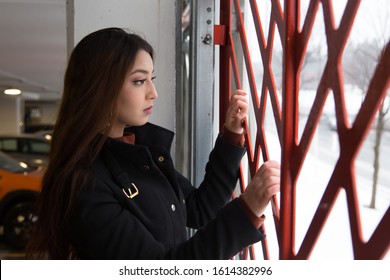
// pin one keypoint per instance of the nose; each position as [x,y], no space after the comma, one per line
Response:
[152,93]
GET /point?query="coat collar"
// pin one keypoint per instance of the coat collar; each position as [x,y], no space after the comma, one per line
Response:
[152,135]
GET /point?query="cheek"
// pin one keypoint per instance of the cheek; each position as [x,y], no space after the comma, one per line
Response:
[126,99]
[128,104]
[125,106]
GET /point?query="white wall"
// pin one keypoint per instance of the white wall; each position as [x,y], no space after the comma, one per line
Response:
[152,19]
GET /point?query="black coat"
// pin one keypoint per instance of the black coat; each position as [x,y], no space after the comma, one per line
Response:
[107,224]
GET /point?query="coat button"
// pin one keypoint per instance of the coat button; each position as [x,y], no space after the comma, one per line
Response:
[161,159]
[173,207]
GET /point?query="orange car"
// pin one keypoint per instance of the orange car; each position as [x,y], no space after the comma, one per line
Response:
[19,188]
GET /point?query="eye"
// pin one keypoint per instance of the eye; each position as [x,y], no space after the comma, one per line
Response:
[153,78]
[139,82]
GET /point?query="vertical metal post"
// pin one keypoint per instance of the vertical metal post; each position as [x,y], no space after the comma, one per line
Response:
[225,67]
[202,84]
[290,97]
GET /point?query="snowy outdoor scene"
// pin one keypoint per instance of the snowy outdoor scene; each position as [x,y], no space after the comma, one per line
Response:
[369,35]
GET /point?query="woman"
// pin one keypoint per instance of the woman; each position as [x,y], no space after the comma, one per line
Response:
[111,190]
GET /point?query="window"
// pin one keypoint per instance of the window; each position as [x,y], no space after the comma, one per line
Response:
[39,147]
[9,145]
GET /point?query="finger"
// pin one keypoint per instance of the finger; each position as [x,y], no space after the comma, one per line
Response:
[269,165]
[271,181]
[272,190]
[271,162]
[239,92]
[241,106]
[268,178]
[268,186]
[242,100]
[240,95]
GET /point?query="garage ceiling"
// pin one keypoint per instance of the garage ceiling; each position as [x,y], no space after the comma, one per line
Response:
[33,47]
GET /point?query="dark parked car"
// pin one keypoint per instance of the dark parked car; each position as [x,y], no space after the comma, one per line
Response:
[19,188]
[28,148]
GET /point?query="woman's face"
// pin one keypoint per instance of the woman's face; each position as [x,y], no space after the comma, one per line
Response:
[135,102]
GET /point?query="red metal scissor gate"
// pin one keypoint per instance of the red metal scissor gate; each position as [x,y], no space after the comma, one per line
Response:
[294,40]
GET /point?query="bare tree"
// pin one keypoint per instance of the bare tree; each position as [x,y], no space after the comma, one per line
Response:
[379,129]
[358,68]
[381,28]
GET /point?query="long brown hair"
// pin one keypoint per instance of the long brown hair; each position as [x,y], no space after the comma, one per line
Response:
[94,77]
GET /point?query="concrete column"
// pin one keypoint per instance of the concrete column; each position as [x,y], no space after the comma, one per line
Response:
[11,114]
[155,20]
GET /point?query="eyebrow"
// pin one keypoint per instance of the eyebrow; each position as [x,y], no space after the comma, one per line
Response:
[143,71]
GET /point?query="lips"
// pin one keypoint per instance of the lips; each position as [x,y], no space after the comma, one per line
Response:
[149,109]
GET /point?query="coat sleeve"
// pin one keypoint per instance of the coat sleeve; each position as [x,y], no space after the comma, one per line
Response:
[218,184]
[103,229]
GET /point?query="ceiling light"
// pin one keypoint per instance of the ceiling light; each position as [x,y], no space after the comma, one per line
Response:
[12,91]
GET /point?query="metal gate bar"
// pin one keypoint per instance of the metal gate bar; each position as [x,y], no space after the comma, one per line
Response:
[294,43]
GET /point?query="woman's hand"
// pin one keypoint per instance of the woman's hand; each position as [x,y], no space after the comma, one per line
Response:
[262,187]
[237,112]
